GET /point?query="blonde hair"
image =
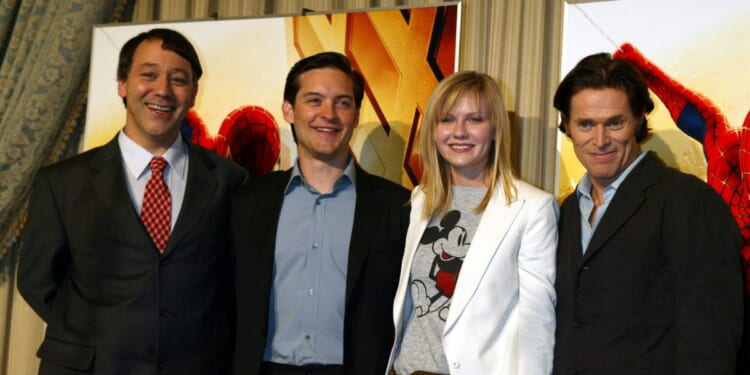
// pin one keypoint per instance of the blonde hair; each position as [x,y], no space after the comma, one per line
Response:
[436,175]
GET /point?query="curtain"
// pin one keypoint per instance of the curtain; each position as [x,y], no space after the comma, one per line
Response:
[44,52]
[44,58]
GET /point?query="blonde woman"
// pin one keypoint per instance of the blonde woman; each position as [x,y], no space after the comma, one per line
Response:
[476,292]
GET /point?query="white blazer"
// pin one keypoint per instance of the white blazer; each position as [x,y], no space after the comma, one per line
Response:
[502,316]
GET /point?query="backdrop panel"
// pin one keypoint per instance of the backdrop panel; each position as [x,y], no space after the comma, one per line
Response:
[402,53]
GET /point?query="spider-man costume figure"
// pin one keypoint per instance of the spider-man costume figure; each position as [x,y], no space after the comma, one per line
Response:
[248,135]
[727,150]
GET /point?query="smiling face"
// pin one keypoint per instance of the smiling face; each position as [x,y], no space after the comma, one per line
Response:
[603,130]
[159,90]
[464,137]
[324,115]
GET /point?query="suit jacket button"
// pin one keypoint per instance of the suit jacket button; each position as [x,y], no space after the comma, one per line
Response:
[164,313]
[162,366]
[579,322]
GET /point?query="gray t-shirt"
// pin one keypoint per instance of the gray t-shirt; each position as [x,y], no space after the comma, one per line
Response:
[434,273]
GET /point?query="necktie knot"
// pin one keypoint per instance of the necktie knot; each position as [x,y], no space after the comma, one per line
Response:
[157,165]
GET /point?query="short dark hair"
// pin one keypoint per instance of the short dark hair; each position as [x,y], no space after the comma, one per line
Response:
[170,40]
[601,71]
[322,60]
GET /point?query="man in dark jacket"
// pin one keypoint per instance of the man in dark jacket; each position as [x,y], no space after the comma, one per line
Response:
[648,278]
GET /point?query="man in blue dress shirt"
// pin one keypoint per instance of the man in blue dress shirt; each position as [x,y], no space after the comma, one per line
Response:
[318,246]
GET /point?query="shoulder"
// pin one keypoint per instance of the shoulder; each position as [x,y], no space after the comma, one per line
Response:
[266,185]
[535,199]
[530,192]
[275,178]
[367,181]
[85,162]
[678,185]
[687,192]
[260,195]
[653,172]
[673,177]
[218,162]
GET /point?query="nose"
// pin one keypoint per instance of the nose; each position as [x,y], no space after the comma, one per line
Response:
[459,129]
[601,138]
[328,111]
[162,86]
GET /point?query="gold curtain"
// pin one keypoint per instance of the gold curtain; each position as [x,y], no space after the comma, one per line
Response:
[516,41]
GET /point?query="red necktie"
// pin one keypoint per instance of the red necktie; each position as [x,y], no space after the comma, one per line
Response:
[156,211]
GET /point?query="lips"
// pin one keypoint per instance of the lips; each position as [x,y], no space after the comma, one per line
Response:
[460,147]
[160,109]
[326,130]
[601,155]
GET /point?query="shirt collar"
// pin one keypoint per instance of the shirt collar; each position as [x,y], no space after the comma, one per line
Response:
[585,185]
[137,158]
[297,179]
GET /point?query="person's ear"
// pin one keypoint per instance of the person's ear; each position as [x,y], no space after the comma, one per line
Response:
[288,110]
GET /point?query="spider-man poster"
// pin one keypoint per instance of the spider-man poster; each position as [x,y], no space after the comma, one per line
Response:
[402,53]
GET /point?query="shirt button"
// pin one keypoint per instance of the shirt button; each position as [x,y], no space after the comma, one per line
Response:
[307,337]
[310,292]
[315,246]
[456,365]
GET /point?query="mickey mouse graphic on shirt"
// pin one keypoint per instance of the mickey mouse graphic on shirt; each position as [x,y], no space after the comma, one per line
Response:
[450,243]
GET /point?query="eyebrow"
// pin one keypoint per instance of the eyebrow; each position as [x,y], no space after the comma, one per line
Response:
[315,93]
[452,113]
[155,65]
[589,119]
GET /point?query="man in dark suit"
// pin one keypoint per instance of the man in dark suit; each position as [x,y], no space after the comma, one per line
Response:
[318,246]
[648,278]
[119,294]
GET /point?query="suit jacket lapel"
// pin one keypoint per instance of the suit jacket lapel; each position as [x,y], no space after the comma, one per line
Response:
[493,227]
[270,205]
[366,215]
[417,226]
[199,192]
[109,183]
[570,235]
[627,200]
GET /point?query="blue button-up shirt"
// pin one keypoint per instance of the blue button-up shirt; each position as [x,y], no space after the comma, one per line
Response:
[586,202]
[306,316]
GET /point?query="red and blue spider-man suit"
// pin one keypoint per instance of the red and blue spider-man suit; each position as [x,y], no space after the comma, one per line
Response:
[727,150]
